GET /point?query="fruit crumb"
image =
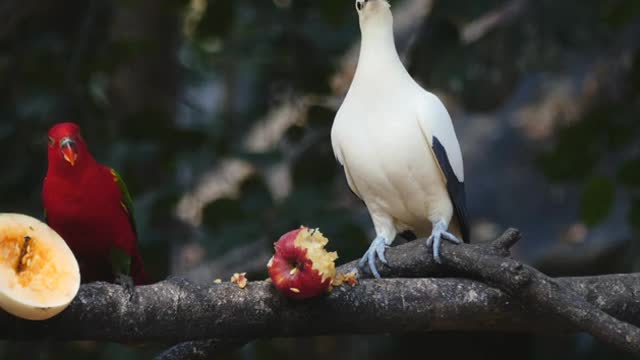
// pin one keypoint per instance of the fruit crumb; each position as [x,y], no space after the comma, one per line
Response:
[295,290]
[240,279]
[217,281]
[350,278]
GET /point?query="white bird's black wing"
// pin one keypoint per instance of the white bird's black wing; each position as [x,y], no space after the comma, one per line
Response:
[439,134]
[455,187]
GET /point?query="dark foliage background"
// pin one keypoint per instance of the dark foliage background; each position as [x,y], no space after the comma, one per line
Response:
[217,113]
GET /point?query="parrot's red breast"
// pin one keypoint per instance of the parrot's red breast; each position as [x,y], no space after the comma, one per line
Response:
[88,205]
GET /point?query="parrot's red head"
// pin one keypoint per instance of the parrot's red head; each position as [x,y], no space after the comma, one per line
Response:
[67,148]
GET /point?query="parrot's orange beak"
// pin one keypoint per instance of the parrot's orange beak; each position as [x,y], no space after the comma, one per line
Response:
[69,150]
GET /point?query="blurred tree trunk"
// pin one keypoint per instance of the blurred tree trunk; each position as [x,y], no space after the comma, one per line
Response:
[143,93]
[148,82]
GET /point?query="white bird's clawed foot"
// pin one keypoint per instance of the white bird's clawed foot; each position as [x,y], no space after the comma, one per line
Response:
[378,247]
[438,234]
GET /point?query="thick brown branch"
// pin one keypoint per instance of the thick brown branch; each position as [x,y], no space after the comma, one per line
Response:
[176,310]
[541,292]
[410,260]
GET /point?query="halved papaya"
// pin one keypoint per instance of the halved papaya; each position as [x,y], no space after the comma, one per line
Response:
[39,276]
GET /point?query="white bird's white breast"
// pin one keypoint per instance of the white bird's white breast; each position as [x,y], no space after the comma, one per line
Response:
[378,138]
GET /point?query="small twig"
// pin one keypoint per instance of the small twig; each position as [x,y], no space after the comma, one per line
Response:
[542,292]
[504,243]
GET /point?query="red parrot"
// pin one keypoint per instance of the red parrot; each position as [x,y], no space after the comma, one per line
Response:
[89,205]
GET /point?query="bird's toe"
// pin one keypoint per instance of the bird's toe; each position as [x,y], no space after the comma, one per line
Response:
[363,260]
[376,249]
[435,241]
[450,237]
[436,248]
[430,241]
[380,252]
[372,264]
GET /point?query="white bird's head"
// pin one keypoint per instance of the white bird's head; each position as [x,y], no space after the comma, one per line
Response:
[374,13]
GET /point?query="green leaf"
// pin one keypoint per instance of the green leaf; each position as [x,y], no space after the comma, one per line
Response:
[629,173]
[597,200]
[120,261]
[620,13]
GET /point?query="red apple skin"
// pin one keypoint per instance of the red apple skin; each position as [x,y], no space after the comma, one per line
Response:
[305,282]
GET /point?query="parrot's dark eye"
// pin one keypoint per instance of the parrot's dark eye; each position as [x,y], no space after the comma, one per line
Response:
[51,141]
[359,5]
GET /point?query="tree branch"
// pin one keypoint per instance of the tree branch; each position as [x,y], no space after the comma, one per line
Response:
[178,310]
[542,292]
[487,262]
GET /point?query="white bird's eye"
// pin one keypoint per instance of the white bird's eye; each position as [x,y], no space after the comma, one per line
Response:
[360,4]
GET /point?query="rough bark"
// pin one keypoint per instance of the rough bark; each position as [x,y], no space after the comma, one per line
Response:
[176,310]
[540,292]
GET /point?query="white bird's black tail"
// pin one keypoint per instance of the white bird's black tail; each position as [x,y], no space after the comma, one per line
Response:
[455,188]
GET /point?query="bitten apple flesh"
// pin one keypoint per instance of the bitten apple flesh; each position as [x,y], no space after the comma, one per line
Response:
[302,268]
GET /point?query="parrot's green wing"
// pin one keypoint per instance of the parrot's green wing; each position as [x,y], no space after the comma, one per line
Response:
[120,260]
[126,201]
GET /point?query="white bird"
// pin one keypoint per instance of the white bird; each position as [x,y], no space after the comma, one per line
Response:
[398,146]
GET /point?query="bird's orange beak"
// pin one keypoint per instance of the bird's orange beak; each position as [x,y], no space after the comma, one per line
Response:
[69,150]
